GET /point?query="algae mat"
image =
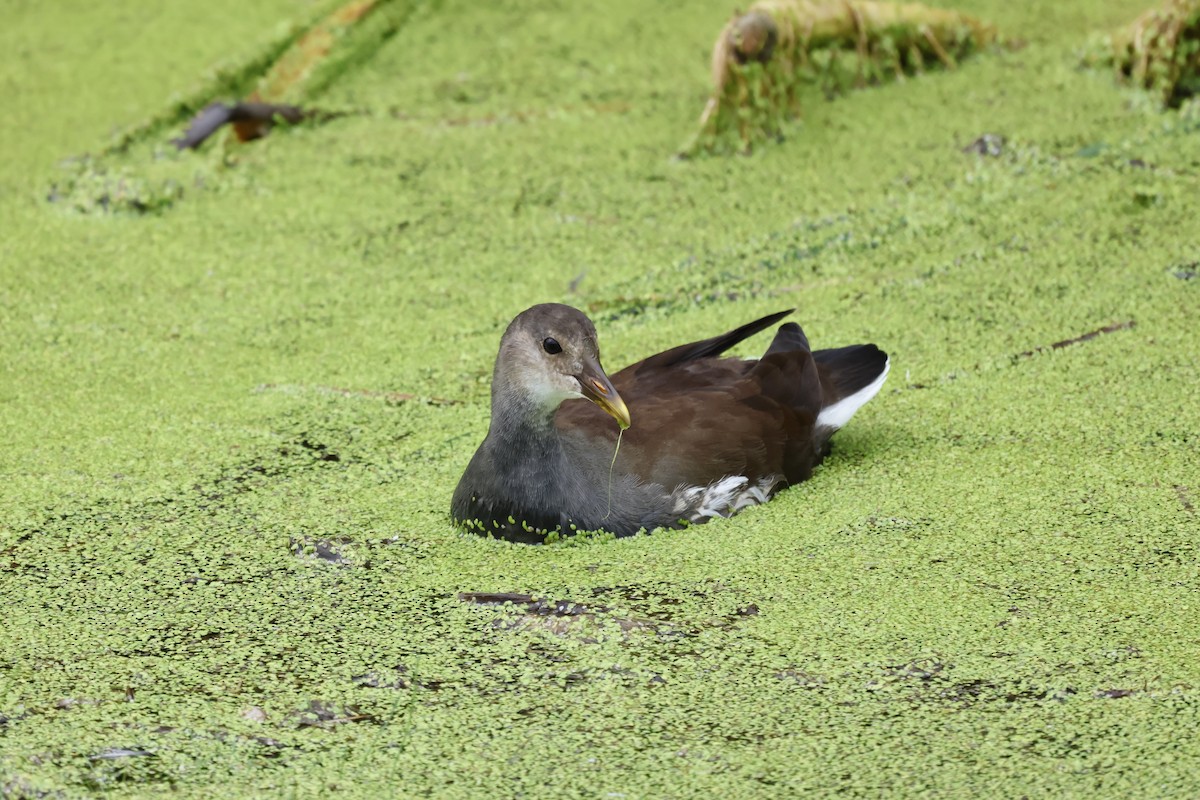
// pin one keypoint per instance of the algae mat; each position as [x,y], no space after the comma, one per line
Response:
[232,426]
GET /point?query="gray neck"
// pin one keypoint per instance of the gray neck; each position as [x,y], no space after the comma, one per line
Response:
[519,425]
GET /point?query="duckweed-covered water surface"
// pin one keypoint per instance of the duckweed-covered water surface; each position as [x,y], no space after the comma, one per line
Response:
[241,382]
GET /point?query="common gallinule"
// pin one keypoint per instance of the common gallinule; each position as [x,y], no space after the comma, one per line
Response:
[707,436]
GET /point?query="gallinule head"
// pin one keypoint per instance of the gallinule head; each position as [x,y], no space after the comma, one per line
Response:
[707,436]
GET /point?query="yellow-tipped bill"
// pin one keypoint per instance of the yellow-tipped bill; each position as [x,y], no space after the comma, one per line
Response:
[596,387]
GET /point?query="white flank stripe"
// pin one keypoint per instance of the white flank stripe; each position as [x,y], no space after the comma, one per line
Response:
[725,497]
[717,499]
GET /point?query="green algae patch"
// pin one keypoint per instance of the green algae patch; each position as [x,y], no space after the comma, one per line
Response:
[232,433]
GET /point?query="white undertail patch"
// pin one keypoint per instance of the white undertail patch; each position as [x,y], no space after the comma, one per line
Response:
[838,414]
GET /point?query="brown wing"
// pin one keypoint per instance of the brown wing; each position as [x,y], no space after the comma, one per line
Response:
[726,417]
[698,419]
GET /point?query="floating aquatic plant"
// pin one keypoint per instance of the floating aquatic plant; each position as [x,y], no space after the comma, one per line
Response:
[763,57]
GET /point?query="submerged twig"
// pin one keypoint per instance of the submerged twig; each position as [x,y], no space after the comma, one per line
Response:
[1017,358]
[1116,326]
[556,616]
[532,605]
[1184,499]
[762,57]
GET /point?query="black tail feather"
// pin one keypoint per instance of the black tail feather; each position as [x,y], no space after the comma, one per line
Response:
[849,369]
[789,337]
[709,348]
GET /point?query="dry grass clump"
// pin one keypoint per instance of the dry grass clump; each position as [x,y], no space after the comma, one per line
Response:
[763,57]
[1160,51]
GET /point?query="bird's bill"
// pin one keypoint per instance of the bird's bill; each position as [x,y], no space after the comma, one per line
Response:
[596,387]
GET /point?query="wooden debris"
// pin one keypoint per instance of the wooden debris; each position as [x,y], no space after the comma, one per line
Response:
[287,79]
[763,57]
[250,121]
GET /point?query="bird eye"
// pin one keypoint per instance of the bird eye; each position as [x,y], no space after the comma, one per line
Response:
[551,346]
